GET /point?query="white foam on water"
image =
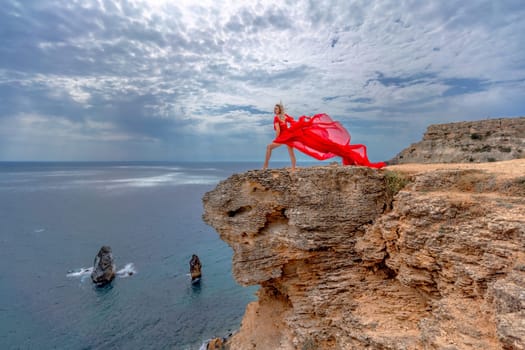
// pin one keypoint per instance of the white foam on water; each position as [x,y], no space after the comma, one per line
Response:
[81,272]
[84,272]
[39,230]
[127,271]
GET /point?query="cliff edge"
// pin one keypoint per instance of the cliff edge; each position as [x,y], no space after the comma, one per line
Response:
[409,257]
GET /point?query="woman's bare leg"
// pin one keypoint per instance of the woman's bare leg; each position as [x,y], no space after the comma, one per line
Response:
[292,157]
[269,149]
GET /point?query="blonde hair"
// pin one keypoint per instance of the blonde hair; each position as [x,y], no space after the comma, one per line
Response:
[281,108]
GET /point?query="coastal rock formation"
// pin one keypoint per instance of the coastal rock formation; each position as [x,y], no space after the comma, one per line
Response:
[216,344]
[195,268]
[468,142]
[409,257]
[103,267]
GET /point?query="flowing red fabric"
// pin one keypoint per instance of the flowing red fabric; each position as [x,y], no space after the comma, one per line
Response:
[322,138]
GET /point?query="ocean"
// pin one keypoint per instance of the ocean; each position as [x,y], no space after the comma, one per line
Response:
[54,217]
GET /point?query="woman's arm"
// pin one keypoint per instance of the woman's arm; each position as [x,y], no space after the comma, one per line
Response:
[277,128]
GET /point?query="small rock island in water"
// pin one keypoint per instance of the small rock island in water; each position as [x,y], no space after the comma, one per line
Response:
[103,267]
[195,269]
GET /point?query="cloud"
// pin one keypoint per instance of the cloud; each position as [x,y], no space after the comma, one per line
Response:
[197,79]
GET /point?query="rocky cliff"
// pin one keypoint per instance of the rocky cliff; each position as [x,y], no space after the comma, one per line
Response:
[409,257]
[468,142]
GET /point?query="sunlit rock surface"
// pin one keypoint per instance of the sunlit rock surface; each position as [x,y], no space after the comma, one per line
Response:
[346,259]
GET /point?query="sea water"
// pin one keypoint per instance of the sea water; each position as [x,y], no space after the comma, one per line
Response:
[54,217]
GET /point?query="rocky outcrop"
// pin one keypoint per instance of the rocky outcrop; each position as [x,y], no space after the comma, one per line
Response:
[195,269]
[468,142]
[410,257]
[103,267]
[217,344]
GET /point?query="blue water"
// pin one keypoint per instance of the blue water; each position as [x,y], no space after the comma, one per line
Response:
[54,217]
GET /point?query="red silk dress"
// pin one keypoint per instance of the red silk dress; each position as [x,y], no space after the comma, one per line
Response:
[322,138]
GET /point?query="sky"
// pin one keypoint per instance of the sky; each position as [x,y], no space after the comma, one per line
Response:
[85,80]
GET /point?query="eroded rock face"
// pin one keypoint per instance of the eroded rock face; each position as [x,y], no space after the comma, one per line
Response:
[477,141]
[103,267]
[343,266]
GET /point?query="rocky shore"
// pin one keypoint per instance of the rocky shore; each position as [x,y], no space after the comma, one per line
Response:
[413,256]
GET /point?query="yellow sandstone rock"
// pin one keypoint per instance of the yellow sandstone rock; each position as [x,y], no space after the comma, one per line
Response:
[347,258]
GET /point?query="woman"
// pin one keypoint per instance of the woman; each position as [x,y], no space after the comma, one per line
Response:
[280,125]
[319,137]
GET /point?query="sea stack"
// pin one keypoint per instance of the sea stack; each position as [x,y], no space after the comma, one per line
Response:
[103,267]
[195,269]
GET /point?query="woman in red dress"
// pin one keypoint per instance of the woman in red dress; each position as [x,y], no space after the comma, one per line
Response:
[280,125]
[319,137]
